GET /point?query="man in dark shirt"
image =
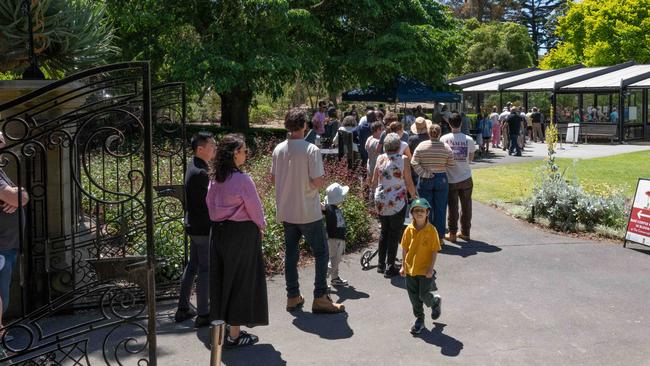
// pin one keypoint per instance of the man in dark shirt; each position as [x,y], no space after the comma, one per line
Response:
[364,132]
[11,200]
[514,124]
[197,226]
[331,127]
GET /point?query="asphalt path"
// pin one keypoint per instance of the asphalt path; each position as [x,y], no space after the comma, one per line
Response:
[514,295]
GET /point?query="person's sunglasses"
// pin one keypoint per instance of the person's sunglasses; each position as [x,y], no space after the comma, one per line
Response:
[419,210]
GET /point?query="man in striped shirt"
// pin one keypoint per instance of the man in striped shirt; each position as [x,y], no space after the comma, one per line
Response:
[430,161]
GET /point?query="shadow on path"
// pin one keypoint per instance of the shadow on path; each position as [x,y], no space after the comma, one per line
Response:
[466,249]
[398,281]
[258,354]
[449,346]
[348,293]
[326,326]
[203,334]
[638,247]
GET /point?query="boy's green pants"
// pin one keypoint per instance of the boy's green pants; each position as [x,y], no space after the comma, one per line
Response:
[420,292]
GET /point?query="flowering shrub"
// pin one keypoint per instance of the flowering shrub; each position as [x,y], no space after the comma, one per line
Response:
[567,204]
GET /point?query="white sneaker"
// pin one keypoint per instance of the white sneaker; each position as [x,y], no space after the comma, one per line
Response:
[338,281]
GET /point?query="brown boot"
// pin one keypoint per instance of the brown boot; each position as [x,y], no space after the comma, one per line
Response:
[325,305]
[464,237]
[295,302]
[451,237]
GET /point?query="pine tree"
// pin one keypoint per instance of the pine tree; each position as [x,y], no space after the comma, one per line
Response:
[482,10]
[537,16]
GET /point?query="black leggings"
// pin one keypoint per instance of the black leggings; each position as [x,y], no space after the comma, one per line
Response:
[389,238]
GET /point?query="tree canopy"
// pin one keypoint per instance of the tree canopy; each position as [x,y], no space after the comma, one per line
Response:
[600,33]
[506,46]
[242,47]
[537,15]
[482,10]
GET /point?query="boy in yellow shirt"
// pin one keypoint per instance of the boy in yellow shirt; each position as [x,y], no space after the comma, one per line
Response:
[420,247]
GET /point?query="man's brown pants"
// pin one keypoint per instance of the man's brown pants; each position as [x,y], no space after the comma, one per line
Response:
[460,191]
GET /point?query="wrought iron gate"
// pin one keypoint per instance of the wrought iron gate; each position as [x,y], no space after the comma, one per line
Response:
[102,155]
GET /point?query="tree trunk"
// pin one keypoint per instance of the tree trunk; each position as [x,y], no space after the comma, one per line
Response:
[235,105]
[333,97]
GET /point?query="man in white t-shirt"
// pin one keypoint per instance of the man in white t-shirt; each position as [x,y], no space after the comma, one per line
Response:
[460,180]
[298,174]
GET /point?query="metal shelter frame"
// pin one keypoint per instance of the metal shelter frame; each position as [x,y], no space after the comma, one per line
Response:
[629,77]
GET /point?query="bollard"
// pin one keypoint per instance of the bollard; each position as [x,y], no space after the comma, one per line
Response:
[217,333]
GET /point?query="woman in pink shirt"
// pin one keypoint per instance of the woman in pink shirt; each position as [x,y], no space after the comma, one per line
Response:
[237,274]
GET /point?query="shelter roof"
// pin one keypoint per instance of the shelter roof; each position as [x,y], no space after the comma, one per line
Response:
[478,78]
[494,85]
[548,83]
[643,84]
[612,80]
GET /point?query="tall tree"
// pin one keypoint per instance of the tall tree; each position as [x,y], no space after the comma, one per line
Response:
[482,10]
[535,14]
[599,33]
[243,47]
[552,22]
[506,46]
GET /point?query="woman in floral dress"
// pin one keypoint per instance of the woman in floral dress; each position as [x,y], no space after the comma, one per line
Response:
[392,179]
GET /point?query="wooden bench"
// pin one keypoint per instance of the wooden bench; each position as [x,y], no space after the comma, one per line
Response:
[598,130]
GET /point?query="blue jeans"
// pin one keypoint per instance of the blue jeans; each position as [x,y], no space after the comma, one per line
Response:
[316,238]
[5,275]
[198,264]
[435,190]
[514,145]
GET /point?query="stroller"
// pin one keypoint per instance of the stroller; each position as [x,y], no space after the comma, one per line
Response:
[369,254]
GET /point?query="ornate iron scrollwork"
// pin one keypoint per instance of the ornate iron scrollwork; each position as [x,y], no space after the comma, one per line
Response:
[90,149]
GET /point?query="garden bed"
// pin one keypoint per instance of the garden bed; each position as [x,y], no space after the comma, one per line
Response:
[589,192]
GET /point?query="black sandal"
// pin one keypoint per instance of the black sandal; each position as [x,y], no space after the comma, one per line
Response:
[244,339]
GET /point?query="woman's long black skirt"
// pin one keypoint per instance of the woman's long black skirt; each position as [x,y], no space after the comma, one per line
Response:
[237,274]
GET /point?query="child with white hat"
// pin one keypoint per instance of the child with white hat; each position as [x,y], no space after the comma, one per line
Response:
[335,223]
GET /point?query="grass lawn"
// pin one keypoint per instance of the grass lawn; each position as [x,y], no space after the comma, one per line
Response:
[512,182]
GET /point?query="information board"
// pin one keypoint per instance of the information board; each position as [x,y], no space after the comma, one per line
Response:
[573,129]
[638,225]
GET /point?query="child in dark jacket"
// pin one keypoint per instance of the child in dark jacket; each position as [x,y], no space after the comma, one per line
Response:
[335,223]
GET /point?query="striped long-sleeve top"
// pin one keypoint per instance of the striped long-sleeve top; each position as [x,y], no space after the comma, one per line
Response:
[431,157]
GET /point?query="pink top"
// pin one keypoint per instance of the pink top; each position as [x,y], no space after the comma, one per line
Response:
[236,199]
[319,122]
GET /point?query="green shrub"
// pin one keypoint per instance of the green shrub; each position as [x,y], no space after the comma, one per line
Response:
[357,220]
[261,113]
[566,205]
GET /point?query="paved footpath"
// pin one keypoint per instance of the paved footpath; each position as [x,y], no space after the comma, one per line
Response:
[515,295]
[539,151]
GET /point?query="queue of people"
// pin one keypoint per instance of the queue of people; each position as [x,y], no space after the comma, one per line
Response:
[422,175]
